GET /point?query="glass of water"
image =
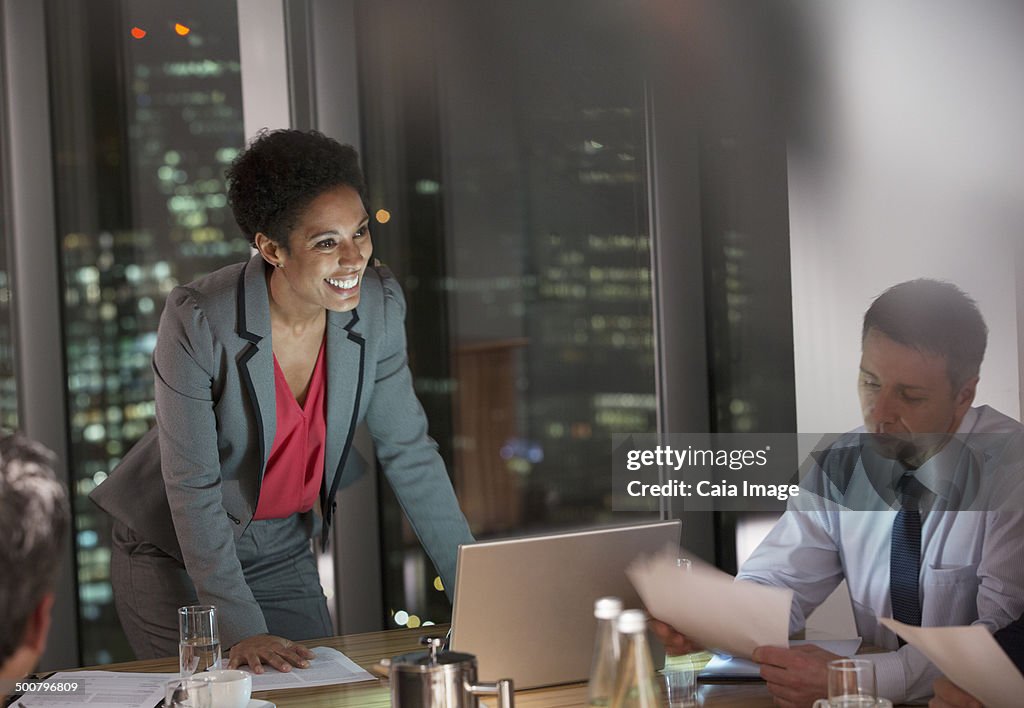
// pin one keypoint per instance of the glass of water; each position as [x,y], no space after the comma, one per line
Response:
[198,640]
[694,661]
[851,684]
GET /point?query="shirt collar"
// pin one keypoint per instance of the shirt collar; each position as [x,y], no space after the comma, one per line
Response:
[948,473]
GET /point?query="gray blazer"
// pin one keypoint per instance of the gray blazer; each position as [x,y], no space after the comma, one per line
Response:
[191,484]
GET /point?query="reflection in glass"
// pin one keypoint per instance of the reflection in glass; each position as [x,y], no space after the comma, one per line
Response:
[143,129]
[508,146]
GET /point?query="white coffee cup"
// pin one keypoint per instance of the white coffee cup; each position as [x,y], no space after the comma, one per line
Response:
[231,688]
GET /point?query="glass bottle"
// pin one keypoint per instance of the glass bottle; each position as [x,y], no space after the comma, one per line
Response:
[605,664]
[636,684]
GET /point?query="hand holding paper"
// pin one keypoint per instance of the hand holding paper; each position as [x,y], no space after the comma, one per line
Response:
[970,658]
[707,605]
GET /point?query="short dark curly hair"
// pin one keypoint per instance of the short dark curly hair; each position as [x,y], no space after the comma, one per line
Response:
[273,180]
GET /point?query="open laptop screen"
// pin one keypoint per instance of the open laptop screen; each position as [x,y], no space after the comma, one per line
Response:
[525,606]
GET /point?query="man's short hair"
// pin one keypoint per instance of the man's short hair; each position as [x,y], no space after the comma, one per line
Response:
[935,317]
[34,516]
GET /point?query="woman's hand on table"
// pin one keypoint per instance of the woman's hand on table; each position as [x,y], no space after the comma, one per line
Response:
[261,649]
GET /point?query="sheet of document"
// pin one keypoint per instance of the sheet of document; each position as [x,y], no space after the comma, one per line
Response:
[329,668]
[732,668]
[970,658]
[106,689]
[705,604]
[109,689]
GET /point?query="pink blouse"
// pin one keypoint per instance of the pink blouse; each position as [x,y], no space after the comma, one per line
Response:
[295,469]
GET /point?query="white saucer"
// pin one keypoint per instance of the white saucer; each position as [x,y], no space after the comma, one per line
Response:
[257,703]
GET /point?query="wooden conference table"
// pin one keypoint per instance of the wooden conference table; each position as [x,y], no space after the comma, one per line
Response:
[368,649]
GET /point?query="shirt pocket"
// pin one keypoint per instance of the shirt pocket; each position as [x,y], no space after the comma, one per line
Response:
[951,595]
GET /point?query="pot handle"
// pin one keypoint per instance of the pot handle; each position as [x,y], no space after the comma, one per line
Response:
[502,689]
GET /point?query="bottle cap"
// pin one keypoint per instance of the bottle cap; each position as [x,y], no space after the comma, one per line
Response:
[607,608]
[632,622]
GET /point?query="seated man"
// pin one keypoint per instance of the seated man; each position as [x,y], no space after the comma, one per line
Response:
[949,695]
[33,520]
[890,512]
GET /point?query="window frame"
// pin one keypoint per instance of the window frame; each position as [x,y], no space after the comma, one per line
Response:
[35,261]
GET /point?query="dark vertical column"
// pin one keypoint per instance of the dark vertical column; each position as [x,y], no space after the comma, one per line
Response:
[677,248]
[333,88]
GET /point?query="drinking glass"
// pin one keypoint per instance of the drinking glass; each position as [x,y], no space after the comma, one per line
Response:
[679,686]
[851,684]
[694,661]
[188,693]
[198,640]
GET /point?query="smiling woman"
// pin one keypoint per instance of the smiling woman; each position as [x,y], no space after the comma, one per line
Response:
[263,370]
[321,265]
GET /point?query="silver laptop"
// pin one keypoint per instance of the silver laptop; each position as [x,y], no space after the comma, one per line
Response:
[525,606]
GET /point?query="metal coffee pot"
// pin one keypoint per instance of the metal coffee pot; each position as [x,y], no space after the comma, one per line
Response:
[441,679]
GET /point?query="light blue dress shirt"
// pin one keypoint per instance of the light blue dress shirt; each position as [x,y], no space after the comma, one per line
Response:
[972,546]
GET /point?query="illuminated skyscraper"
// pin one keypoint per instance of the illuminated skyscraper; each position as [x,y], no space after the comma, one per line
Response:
[144,129]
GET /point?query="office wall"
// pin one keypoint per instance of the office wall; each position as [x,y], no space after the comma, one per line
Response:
[912,171]
[906,166]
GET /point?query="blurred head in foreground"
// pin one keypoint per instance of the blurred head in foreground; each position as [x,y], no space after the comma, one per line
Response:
[34,517]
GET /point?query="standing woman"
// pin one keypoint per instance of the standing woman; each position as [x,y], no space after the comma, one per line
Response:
[263,371]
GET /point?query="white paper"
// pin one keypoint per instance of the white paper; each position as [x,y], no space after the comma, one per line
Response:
[970,658]
[707,606]
[108,689]
[102,689]
[722,666]
[330,667]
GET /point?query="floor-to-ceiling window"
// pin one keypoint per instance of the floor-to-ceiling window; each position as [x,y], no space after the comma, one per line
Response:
[146,112]
[507,144]
[508,151]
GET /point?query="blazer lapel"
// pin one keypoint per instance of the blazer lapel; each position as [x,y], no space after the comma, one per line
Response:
[257,358]
[345,364]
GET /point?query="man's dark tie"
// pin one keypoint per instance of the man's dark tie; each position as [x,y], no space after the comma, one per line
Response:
[905,557]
